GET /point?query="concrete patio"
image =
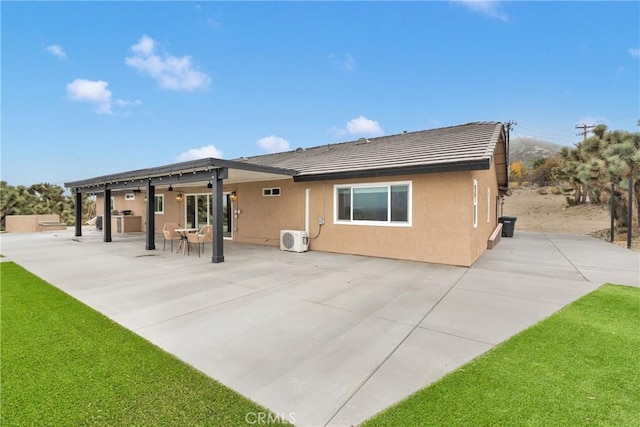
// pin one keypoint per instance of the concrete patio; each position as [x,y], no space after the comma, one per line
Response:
[331,339]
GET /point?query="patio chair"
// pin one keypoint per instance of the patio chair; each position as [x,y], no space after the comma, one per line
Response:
[200,238]
[170,233]
[207,235]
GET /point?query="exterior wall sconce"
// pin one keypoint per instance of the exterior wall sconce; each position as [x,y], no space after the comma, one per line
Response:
[233,196]
[170,188]
[179,197]
[209,185]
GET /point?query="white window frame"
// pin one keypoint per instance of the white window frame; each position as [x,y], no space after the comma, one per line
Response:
[387,223]
[475,203]
[268,192]
[154,204]
[488,204]
[112,203]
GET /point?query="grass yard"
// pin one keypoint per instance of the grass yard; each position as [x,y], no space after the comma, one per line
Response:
[64,364]
[579,367]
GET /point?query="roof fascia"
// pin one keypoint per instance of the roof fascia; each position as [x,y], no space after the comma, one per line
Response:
[471,165]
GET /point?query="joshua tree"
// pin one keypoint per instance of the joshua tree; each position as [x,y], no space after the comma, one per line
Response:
[622,157]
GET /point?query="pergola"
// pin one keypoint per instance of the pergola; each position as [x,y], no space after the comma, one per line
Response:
[205,171]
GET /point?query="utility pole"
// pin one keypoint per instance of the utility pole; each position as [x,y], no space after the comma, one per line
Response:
[585,129]
[508,125]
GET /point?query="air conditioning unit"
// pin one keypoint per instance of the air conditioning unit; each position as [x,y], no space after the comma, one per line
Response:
[294,240]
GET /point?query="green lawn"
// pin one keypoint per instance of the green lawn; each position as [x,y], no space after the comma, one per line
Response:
[579,367]
[64,364]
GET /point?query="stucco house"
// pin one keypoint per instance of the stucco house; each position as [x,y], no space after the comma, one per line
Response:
[430,196]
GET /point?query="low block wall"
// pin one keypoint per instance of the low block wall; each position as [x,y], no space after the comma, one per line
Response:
[495,237]
[33,223]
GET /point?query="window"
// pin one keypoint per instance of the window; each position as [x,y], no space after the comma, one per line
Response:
[488,204]
[129,196]
[373,204]
[270,192]
[475,203]
[112,203]
[158,203]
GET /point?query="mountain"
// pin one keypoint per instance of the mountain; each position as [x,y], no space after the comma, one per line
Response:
[526,149]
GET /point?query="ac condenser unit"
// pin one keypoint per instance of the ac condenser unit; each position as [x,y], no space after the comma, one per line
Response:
[294,240]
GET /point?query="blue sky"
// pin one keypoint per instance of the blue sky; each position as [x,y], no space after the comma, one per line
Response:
[91,88]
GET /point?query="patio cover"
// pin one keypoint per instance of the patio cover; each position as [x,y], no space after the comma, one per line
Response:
[209,170]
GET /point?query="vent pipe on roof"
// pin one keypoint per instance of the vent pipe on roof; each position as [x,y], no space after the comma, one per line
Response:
[362,141]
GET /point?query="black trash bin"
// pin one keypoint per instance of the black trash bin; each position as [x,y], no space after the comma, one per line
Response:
[508,225]
[99,222]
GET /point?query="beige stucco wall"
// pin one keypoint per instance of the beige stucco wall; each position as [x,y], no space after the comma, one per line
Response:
[442,216]
[441,229]
[260,219]
[30,223]
[438,232]
[487,180]
[173,210]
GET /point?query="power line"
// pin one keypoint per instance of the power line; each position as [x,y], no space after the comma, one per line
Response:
[585,129]
[557,135]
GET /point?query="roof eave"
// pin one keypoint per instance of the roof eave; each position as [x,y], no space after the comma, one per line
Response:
[471,165]
[194,167]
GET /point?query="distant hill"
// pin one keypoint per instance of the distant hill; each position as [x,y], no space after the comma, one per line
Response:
[526,149]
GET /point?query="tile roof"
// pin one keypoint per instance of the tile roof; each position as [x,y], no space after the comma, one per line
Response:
[468,144]
[458,148]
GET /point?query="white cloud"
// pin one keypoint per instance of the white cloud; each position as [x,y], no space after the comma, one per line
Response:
[124,104]
[346,63]
[360,126]
[92,91]
[95,92]
[171,72]
[273,144]
[363,126]
[634,52]
[200,153]
[488,8]
[57,51]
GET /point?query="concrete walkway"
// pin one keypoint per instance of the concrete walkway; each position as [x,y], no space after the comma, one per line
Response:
[328,339]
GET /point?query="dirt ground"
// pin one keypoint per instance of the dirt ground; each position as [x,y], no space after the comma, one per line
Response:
[549,212]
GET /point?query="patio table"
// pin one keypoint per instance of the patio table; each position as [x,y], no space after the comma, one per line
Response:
[183,238]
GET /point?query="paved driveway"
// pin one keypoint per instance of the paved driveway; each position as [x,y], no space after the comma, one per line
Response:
[331,339]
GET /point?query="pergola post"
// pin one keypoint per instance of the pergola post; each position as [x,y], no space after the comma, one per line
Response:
[106,216]
[78,213]
[217,181]
[151,217]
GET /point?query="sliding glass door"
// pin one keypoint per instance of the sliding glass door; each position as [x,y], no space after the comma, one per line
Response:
[198,212]
[227,217]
